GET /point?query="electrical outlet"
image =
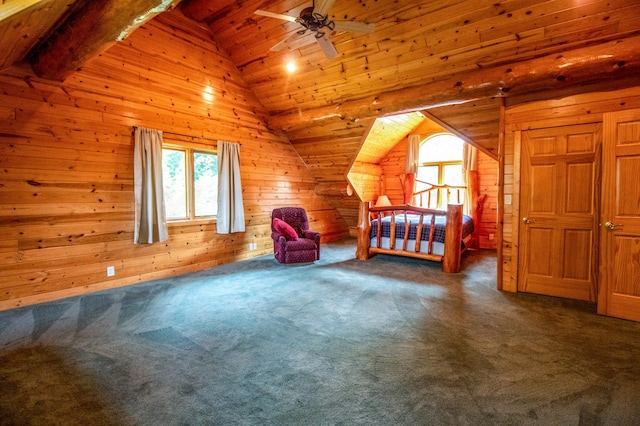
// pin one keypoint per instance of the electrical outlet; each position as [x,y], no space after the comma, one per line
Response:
[253,246]
[111,271]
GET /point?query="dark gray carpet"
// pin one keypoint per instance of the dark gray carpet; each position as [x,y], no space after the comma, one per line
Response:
[390,341]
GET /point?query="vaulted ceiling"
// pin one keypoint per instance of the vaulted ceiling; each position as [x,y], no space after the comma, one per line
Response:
[459,60]
[456,58]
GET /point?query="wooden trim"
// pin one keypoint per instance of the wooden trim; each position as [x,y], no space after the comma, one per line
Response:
[515,208]
[500,206]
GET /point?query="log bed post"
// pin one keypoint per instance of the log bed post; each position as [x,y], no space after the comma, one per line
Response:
[453,239]
[364,228]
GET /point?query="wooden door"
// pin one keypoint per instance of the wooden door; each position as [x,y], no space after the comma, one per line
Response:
[619,292]
[559,199]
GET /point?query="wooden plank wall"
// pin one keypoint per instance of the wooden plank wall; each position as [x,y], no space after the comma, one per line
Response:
[328,152]
[366,178]
[488,174]
[393,167]
[569,110]
[66,155]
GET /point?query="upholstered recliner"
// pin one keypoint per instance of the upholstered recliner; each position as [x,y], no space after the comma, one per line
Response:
[293,242]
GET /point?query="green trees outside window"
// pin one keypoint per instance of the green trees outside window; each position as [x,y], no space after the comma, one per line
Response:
[190,179]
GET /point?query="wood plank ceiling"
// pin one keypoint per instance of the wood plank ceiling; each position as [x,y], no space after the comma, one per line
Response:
[414,46]
[459,60]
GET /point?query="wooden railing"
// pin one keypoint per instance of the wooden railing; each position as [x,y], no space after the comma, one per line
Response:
[439,195]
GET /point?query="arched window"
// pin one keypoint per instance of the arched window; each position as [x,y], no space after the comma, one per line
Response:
[439,163]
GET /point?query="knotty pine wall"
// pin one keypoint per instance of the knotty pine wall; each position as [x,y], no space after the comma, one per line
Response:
[66,155]
[393,165]
[569,110]
[329,151]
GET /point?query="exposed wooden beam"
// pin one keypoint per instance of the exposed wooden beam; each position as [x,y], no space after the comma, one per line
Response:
[9,8]
[580,67]
[90,31]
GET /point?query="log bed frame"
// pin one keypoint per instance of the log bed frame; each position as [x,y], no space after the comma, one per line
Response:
[453,231]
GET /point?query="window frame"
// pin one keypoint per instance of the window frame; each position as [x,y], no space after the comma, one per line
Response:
[440,203]
[189,151]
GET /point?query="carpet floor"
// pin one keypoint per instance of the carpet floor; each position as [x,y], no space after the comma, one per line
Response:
[389,341]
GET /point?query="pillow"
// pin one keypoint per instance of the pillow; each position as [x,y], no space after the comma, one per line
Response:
[285,229]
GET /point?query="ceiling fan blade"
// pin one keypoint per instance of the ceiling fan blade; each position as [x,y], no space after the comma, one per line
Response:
[284,42]
[322,6]
[327,47]
[275,15]
[353,26]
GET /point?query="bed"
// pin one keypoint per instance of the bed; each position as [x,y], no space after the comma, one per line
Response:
[412,231]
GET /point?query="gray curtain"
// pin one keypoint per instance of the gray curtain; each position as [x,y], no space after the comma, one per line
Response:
[413,154]
[230,207]
[411,168]
[150,218]
[469,164]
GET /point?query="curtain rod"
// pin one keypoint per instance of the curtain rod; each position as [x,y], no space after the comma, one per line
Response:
[191,136]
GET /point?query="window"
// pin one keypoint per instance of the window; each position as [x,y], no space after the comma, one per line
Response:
[190,179]
[440,163]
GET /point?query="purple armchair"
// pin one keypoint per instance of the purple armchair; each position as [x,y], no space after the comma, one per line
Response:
[306,248]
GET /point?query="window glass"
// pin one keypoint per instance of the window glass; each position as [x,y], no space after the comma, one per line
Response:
[426,174]
[174,179]
[441,148]
[205,183]
[452,174]
[440,163]
[190,180]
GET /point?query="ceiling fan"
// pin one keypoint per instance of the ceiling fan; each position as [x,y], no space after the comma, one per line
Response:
[315,19]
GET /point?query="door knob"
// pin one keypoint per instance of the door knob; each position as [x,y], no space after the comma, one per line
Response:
[611,226]
[527,220]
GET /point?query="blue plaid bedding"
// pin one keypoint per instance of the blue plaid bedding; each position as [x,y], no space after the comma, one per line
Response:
[438,235]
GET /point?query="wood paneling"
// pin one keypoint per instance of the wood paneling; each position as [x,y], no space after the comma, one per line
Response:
[385,133]
[571,110]
[66,155]
[393,166]
[487,228]
[414,45]
[22,23]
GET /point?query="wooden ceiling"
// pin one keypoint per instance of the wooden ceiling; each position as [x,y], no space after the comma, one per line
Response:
[448,56]
[457,59]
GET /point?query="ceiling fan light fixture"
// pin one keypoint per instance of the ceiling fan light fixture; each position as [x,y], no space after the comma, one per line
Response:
[314,22]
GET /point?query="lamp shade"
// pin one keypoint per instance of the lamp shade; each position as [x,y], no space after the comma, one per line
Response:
[383,201]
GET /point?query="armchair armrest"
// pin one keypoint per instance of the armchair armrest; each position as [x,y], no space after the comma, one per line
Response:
[312,235]
[278,237]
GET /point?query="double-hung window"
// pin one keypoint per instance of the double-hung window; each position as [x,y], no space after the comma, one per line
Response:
[190,178]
